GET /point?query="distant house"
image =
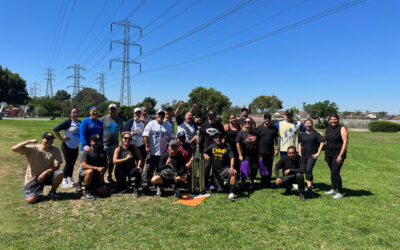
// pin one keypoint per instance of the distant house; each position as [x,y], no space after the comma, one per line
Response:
[396,118]
[371,116]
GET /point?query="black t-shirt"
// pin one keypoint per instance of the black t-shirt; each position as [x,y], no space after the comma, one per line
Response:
[267,135]
[123,153]
[286,163]
[177,162]
[95,158]
[310,143]
[220,156]
[334,141]
[208,130]
[248,143]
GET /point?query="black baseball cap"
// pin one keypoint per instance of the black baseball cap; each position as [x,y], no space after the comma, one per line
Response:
[289,112]
[95,137]
[180,134]
[48,135]
[172,143]
[218,135]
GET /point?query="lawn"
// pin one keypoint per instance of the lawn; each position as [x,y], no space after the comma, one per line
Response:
[367,218]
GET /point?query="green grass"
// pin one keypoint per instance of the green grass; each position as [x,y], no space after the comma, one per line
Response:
[367,218]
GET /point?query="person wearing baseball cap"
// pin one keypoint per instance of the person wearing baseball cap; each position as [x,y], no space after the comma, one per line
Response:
[136,127]
[112,129]
[156,136]
[90,126]
[44,161]
[289,130]
[171,169]
[93,167]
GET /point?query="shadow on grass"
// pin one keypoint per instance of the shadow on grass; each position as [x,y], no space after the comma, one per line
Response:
[346,191]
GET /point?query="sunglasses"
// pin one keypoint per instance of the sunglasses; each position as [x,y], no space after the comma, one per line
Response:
[247,121]
[128,138]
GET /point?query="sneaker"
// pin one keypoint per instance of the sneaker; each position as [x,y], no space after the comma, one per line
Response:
[64,183]
[296,186]
[212,188]
[177,193]
[231,197]
[110,180]
[309,190]
[129,188]
[338,196]
[159,191]
[88,196]
[53,195]
[287,191]
[302,197]
[78,187]
[71,181]
[331,192]
[135,194]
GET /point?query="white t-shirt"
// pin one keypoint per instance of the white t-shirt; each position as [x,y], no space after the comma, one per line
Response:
[137,128]
[159,135]
[73,133]
[188,129]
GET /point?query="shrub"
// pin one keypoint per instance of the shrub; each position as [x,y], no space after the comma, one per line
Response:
[320,126]
[384,126]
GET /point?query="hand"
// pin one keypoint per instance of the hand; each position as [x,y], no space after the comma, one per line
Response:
[260,157]
[241,157]
[315,156]
[180,105]
[129,156]
[278,181]
[102,170]
[140,169]
[168,161]
[86,148]
[206,157]
[147,149]
[33,141]
[41,177]
[194,106]
[339,160]
[287,171]
[232,171]
[66,139]
[208,107]
[276,152]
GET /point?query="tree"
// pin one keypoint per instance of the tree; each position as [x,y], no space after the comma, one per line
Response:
[12,88]
[149,103]
[86,98]
[62,95]
[320,110]
[48,106]
[203,97]
[296,111]
[265,103]
[381,114]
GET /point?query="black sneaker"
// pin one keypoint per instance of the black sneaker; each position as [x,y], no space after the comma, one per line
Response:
[287,191]
[78,187]
[135,194]
[110,180]
[53,195]
[177,193]
[302,197]
[88,196]
[309,190]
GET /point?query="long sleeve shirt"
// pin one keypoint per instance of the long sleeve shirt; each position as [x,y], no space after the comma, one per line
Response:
[89,128]
[287,163]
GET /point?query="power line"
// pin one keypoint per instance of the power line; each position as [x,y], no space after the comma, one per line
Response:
[57,26]
[267,35]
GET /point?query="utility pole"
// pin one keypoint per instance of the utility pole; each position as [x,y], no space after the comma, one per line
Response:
[77,76]
[125,80]
[101,82]
[49,77]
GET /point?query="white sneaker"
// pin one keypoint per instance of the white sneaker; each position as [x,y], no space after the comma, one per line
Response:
[331,192]
[159,191]
[71,181]
[296,186]
[64,183]
[338,196]
[231,197]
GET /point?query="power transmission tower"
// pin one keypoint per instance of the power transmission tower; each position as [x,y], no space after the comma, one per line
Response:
[125,80]
[49,77]
[101,83]
[77,76]
[33,89]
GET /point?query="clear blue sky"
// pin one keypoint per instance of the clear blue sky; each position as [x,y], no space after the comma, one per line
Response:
[351,57]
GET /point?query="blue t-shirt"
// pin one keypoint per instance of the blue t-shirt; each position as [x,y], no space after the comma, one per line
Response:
[89,128]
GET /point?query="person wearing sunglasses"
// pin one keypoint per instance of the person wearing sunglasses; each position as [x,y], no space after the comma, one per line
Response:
[44,161]
[128,161]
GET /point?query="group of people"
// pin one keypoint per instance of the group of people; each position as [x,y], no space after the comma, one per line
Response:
[151,154]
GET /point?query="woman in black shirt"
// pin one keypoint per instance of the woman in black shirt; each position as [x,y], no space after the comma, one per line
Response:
[336,137]
[310,146]
[231,131]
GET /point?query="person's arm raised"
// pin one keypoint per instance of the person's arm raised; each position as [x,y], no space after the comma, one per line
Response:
[20,146]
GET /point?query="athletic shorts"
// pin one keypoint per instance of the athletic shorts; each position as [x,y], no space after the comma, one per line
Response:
[34,188]
[95,179]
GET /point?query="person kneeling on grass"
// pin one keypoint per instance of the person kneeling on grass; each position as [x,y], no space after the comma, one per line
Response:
[44,161]
[171,169]
[222,163]
[93,166]
[293,174]
[128,161]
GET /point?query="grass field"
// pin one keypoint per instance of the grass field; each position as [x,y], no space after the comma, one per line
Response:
[367,218]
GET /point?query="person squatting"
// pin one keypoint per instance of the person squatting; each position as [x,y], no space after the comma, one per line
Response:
[151,158]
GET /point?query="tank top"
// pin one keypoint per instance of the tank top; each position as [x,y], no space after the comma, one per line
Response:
[124,152]
[334,141]
[231,139]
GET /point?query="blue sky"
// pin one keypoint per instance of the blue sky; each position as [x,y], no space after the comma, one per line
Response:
[350,57]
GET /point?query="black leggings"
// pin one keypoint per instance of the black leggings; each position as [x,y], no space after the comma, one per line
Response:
[268,161]
[336,179]
[70,155]
[122,172]
[253,167]
[308,164]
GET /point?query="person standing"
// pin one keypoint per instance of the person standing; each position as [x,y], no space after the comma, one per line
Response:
[90,126]
[336,137]
[231,131]
[310,146]
[168,117]
[292,174]
[289,130]
[112,125]
[128,161]
[136,127]
[247,147]
[244,113]
[69,145]
[44,161]
[145,118]
[156,136]
[267,146]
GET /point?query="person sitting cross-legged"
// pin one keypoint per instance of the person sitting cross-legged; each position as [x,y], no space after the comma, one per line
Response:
[222,164]
[43,167]
[171,169]
[293,173]
[93,167]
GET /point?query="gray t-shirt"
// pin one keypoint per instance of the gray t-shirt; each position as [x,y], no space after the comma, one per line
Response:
[112,127]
